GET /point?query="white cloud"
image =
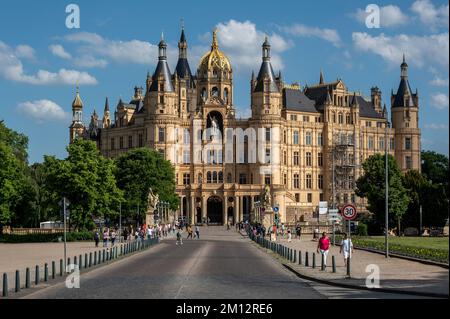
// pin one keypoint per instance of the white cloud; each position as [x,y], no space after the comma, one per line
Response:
[133,51]
[431,15]
[24,51]
[88,61]
[12,69]
[42,111]
[439,101]
[435,126]
[420,50]
[438,81]
[301,30]
[241,42]
[59,51]
[390,16]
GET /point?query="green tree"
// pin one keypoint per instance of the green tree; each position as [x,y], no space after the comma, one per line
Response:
[435,169]
[16,141]
[371,185]
[87,180]
[416,185]
[140,169]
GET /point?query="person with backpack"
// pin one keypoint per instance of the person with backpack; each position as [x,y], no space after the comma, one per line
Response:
[190,232]
[179,238]
[113,237]
[105,237]
[197,232]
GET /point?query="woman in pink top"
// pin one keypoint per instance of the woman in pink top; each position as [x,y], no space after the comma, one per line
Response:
[324,246]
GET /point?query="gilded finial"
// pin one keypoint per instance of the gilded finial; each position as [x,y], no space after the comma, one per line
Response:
[215,44]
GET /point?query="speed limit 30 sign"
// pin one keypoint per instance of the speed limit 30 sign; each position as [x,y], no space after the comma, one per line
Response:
[349,212]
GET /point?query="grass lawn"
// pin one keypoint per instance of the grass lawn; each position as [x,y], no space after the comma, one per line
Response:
[418,242]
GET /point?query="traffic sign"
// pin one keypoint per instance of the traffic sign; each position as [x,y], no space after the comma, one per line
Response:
[323,208]
[275,209]
[333,211]
[349,212]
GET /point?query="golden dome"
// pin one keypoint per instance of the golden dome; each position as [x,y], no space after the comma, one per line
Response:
[215,59]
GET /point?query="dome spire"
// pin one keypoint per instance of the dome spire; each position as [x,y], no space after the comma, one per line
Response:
[215,44]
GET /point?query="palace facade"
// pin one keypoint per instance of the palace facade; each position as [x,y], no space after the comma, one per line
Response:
[308,137]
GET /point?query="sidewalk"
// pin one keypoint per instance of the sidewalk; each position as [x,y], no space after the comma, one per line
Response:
[20,256]
[395,273]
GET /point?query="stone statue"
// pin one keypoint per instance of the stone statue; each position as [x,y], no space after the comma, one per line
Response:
[152,200]
[267,197]
[214,127]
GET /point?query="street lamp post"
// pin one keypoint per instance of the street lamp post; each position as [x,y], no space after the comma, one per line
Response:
[386,241]
[120,222]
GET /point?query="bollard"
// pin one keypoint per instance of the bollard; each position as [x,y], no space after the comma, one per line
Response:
[314,260]
[80,262]
[17,289]
[36,276]
[306,259]
[322,266]
[53,269]
[99,257]
[27,278]
[90,260]
[104,255]
[121,249]
[85,261]
[95,258]
[295,256]
[46,272]
[348,267]
[5,285]
[68,263]
[300,257]
[333,263]
[75,260]
[61,267]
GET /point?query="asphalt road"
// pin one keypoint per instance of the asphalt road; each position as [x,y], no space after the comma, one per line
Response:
[221,265]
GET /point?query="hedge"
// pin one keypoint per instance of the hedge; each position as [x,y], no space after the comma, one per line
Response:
[45,238]
[432,254]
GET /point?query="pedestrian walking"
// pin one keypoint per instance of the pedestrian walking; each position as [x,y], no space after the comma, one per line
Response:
[289,235]
[189,230]
[96,238]
[179,238]
[298,231]
[346,248]
[316,233]
[125,234]
[113,237]
[105,237]
[197,232]
[324,247]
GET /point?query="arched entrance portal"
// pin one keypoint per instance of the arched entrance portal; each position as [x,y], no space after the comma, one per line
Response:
[215,210]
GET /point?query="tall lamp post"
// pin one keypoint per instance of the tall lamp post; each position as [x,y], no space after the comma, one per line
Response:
[386,208]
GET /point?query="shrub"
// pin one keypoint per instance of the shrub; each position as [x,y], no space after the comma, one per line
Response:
[362,229]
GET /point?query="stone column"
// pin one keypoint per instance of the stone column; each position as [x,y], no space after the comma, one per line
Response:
[252,208]
[181,209]
[193,210]
[225,210]
[241,209]
[236,209]
[204,208]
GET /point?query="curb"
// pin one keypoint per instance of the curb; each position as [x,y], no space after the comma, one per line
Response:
[349,286]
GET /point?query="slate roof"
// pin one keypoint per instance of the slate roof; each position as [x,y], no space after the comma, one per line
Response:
[403,89]
[296,100]
[266,70]
[162,69]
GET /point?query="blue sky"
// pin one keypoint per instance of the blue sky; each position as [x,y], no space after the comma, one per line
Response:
[41,60]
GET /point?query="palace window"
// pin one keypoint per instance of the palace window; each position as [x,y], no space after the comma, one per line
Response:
[407,143]
[309,198]
[199,178]
[295,137]
[186,157]
[368,124]
[208,177]
[296,158]
[320,159]
[296,181]
[220,178]
[340,118]
[308,181]
[284,137]
[267,155]
[308,138]
[121,142]
[267,134]
[242,178]
[285,179]
[112,144]
[347,119]
[140,140]
[285,157]
[320,139]
[162,134]
[408,162]
[229,178]
[392,143]
[370,143]
[130,141]
[267,179]
[320,181]
[297,197]
[186,179]
[162,153]
[305,118]
[161,99]
[293,117]
[308,159]
[334,117]
[186,137]
[381,143]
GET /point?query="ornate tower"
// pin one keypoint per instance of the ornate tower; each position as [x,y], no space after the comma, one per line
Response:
[77,128]
[266,89]
[215,81]
[405,121]
[106,122]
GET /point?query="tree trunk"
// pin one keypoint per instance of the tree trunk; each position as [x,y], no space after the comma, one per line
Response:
[398,226]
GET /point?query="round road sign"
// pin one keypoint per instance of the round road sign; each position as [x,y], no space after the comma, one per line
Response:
[349,212]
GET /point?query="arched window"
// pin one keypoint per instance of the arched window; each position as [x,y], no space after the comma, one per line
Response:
[214,178]
[341,118]
[204,94]
[220,177]
[208,177]
[225,95]
[215,92]
[229,178]
[347,119]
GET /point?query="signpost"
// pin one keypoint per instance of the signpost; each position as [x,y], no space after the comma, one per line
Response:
[349,213]
[65,203]
[333,216]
